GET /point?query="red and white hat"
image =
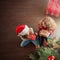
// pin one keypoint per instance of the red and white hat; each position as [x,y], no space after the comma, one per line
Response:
[22,30]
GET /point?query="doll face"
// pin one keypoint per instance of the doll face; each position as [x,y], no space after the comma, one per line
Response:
[26,35]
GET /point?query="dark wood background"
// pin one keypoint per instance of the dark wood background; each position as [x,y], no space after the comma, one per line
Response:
[13,13]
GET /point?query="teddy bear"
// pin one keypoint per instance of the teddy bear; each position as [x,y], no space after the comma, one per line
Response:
[27,35]
[46,27]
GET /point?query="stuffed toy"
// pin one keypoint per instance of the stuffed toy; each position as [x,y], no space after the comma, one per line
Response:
[53,8]
[27,35]
[46,27]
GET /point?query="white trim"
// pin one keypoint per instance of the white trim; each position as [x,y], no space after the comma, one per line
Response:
[26,29]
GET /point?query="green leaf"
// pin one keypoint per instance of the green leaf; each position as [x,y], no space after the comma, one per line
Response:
[58,42]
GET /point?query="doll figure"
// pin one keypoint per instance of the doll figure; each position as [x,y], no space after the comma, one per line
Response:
[46,27]
[27,35]
[53,8]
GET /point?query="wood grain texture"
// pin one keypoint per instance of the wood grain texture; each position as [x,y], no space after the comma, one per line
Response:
[13,13]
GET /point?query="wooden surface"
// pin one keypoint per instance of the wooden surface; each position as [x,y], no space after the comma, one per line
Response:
[13,13]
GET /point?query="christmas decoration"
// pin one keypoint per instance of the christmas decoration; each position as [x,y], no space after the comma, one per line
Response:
[51,57]
[53,8]
[46,53]
[27,35]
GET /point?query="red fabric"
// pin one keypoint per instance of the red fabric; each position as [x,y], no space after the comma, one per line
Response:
[39,29]
[20,28]
[33,37]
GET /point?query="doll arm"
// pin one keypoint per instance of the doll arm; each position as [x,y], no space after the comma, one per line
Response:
[44,33]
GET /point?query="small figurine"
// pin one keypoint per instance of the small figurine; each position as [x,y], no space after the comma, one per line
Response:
[46,27]
[53,8]
[27,35]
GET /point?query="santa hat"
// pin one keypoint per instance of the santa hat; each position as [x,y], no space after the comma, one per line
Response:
[22,30]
